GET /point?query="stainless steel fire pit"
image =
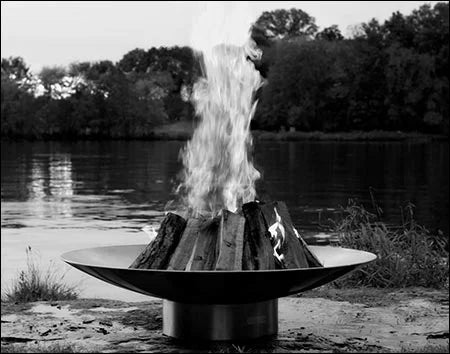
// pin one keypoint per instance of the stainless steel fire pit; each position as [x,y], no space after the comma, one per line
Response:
[215,305]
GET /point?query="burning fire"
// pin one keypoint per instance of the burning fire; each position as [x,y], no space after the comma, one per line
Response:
[219,178]
[218,173]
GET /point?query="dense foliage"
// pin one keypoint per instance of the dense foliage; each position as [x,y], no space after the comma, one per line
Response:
[391,76]
[386,76]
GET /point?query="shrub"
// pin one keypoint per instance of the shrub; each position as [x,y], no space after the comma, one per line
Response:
[408,255]
[34,284]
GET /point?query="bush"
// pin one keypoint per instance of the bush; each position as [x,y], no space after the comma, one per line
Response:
[33,284]
[408,255]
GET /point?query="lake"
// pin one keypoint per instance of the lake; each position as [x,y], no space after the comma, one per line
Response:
[58,196]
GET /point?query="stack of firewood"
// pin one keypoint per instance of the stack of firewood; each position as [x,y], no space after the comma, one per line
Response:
[260,237]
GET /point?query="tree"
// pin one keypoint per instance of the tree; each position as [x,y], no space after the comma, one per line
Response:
[302,88]
[17,100]
[79,69]
[17,109]
[15,68]
[373,33]
[399,30]
[331,33]
[410,79]
[50,78]
[431,27]
[283,24]
[136,60]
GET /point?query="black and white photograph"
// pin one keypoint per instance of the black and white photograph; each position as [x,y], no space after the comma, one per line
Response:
[225,176]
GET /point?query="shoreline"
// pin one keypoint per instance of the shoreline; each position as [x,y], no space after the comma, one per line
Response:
[174,133]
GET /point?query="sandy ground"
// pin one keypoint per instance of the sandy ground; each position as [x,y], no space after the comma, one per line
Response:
[366,320]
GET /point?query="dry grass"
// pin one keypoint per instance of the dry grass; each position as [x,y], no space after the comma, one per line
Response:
[35,284]
[408,254]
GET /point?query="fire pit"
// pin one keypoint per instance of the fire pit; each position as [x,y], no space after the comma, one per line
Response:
[215,305]
[222,266]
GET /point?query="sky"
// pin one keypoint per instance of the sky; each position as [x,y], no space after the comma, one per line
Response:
[47,33]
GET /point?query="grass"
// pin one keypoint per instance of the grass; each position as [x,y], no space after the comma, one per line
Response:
[35,284]
[408,254]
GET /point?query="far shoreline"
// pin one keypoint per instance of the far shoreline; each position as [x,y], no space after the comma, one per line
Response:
[173,132]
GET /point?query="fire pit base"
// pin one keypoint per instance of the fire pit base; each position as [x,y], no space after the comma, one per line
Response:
[220,322]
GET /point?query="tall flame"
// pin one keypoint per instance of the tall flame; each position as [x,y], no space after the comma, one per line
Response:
[217,171]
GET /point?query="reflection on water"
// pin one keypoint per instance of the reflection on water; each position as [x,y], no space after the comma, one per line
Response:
[125,185]
[36,186]
[50,186]
[60,168]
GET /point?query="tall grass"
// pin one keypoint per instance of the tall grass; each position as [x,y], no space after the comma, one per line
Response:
[36,284]
[408,254]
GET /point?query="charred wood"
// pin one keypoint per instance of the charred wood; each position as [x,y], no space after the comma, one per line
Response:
[257,245]
[231,241]
[157,254]
[183,251]
[204,254]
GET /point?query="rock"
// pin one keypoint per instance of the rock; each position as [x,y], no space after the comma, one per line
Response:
[46,333]
[105,323]
[441,334]
[102,330]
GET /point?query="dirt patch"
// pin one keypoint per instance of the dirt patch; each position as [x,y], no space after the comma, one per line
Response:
[377,297]
[13,308]
[319,321]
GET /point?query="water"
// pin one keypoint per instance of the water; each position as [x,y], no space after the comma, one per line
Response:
[57,197]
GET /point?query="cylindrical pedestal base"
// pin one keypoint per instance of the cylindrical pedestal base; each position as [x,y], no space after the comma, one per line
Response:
[220,322]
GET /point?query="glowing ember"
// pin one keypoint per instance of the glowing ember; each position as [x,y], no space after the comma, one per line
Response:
[217,171]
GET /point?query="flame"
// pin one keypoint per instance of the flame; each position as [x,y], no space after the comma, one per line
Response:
[275,235]
[217,171]
[150,231]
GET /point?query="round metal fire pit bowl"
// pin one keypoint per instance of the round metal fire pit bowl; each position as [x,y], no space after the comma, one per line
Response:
[215,305]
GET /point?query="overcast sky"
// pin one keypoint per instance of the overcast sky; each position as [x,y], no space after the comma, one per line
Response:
[48,33]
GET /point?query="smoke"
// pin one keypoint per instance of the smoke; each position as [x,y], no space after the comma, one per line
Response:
[218,172]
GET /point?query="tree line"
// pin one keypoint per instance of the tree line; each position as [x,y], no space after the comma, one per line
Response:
[385,76]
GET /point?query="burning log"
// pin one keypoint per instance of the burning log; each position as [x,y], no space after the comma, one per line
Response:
[183,252]
[248,261]
[291,249]
[263,238]
[231,241]
[258,249]
[313,261]
[205,251]
[287,249]
[157,254]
